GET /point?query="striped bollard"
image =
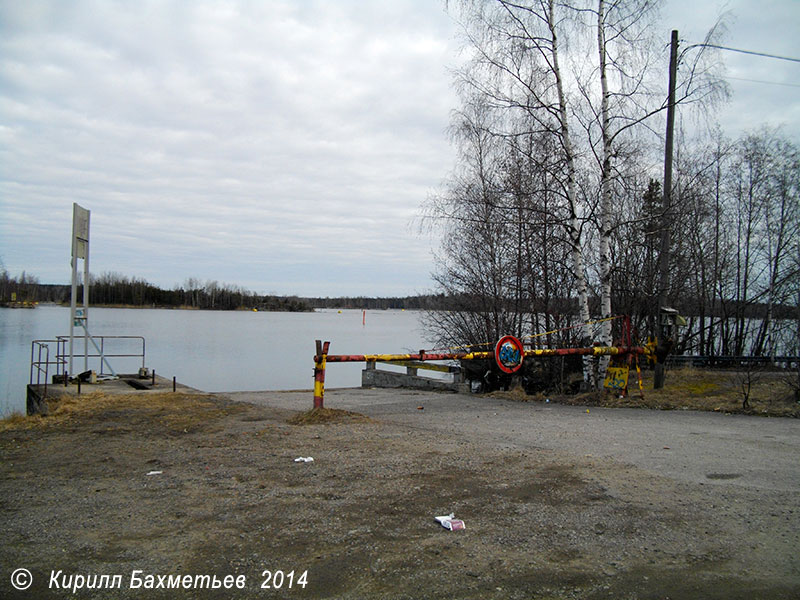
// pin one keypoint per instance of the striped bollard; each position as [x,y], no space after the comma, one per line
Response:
[319,373]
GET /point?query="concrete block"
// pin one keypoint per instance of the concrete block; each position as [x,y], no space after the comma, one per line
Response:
[390,379]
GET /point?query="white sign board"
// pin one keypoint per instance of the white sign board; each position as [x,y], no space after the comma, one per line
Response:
[80,249]
[80,232]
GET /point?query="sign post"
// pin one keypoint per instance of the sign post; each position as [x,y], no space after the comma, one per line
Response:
[80,249]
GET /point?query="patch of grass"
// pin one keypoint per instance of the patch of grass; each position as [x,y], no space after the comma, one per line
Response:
[18,422]
[177,412]
[318,416]
[698,389]
[518,395]
[702,388]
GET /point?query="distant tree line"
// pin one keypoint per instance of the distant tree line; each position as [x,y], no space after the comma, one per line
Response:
[421,302]
[111,289]
[24,287]
[114,289]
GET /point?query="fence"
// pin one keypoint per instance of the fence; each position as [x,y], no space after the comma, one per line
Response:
[733,362]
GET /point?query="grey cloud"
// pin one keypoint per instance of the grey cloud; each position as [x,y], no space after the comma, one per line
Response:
[278,145]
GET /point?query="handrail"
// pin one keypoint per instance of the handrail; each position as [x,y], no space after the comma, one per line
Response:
[102,354]
[38,365]
[40,345]
[61,357]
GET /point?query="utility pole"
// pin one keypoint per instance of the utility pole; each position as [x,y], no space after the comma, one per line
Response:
[666,220]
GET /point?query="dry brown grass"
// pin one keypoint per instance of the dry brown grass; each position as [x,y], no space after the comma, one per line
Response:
[518,395]
[177,412]
[318,416]
[700,389]
[18,422]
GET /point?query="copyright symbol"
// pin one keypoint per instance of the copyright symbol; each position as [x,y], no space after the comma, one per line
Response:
[21,579]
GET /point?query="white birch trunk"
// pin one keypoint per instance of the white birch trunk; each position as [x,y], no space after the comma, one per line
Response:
[605,191]
[573,225]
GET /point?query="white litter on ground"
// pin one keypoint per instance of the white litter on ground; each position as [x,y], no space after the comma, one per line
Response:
[450,522]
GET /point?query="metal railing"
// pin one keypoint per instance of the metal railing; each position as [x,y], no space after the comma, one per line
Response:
[40,366]
[100,352]
[732,362]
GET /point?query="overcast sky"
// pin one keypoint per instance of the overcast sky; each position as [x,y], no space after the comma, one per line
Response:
[284,146]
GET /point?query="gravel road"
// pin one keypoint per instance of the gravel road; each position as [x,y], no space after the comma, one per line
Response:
[688,446]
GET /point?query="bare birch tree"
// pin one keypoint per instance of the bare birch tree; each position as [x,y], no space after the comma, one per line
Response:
[574,79]
[620,29]
[517,68]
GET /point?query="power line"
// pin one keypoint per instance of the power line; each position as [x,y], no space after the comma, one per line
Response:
[760,81]
[746,52]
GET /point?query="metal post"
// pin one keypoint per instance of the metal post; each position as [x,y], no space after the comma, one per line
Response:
[319,373]
[80,249]
[30,373]
[666,224]
[46,366]
[86,336]
[72,304]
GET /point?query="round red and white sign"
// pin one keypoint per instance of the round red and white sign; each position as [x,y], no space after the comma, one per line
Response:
[509,353]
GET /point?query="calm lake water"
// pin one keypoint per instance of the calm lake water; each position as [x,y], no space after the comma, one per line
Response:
[214,351]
